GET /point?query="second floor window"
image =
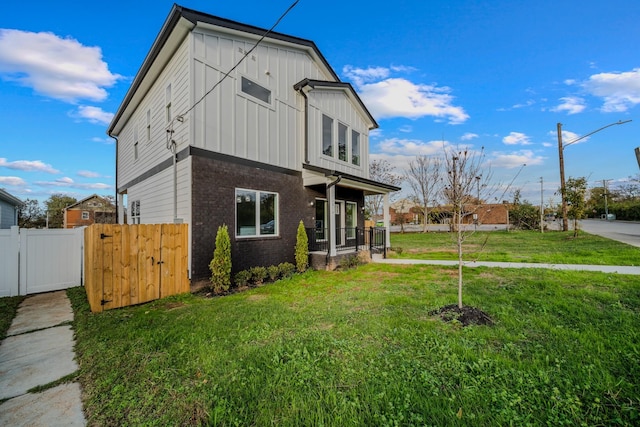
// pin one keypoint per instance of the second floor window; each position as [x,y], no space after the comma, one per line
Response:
[255,90]
[327,136]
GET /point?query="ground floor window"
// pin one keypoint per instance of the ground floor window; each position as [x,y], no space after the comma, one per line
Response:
[256,213]
[321,219]
[351,219]
[135,212]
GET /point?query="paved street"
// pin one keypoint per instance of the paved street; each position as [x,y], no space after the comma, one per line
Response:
[622,231]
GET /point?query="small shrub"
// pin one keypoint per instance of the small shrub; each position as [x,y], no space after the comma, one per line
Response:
[273,272]
[242,278]
[286,269]
[302,249]
[258,274]
[397,249]
[220,265]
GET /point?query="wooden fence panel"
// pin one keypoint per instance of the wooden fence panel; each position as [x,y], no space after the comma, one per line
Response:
[133,264]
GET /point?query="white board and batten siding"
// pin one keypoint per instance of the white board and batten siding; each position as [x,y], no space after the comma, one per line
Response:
[36,261]
[233,123]
[337,105]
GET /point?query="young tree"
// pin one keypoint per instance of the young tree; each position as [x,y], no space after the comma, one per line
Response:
[302,249]
[462,167]
[424,178]
[523,215]
[381,171]
[575,192]
[220,265]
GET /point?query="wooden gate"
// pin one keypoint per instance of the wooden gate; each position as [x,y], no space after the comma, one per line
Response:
[132,264]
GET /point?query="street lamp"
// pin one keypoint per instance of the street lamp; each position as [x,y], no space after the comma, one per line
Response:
[561,147]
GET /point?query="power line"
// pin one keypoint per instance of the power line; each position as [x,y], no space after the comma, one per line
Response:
[241,59]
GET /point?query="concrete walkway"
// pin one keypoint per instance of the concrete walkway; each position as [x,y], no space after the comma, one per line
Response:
[38,350]
[619,269]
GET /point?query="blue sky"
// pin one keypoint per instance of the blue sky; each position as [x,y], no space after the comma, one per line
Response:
[497,74]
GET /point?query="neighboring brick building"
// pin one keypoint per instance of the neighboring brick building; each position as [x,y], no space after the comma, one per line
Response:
[91,210]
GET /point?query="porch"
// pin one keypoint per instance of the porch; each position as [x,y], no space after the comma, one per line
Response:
[348,241]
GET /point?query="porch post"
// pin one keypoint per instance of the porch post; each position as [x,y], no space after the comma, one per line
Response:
[387,219]
[331,219]
[120,208]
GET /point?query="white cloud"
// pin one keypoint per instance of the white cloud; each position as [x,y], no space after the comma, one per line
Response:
[516,138]
[515,159]
[28,166]
[13,181]
[70,183]
[60,68]
[88,174]
[111,140]
[412,148]
[93,114]
[547,144]
[570,104]
[568,137]
[468,136]
[388,97]
[620,91]
[406,129]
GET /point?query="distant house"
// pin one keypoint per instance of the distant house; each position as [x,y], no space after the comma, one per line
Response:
[405,211]
[9,206]
[225,123]
[90,210]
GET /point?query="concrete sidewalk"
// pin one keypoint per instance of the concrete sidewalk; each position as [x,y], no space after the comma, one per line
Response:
[37,351]
[619,269]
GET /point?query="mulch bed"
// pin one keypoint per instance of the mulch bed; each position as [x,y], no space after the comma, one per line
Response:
[466,315]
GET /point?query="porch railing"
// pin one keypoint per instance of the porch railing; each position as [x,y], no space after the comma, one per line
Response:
[348,239]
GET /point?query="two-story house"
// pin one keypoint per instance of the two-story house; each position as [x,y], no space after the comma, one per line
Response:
[90,210]
[227,123]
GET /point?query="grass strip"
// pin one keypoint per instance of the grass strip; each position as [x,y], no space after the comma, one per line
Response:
[517,246]
[359,347]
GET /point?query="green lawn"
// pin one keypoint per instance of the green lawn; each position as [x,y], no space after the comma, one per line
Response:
[360,347]
[517,246]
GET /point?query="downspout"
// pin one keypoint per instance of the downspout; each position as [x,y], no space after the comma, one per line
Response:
[306,125]
[115,199]
[331,220]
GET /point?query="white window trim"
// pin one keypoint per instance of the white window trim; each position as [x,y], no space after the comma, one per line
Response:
[85,214]
[355,218]
[257,214]
[270,105]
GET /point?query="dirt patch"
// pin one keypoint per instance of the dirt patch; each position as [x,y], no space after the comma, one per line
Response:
[465,315]
[173,305]
[256,297]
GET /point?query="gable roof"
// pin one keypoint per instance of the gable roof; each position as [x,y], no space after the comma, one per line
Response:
[178,24]
[86,199]
[5,196]
[344,86]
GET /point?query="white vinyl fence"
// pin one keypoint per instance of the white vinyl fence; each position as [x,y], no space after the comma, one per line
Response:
[34,261]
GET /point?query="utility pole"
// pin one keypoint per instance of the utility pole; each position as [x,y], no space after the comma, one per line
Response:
[561,147]
[606,207]
[565,220]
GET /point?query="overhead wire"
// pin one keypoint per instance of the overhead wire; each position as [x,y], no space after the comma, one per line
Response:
[246,54]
